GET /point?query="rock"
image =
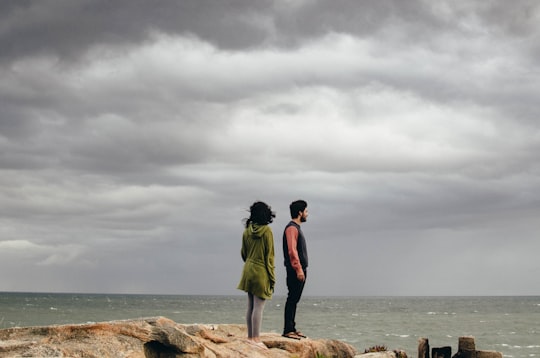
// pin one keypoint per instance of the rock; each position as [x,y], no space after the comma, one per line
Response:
[158,337]
[384,354]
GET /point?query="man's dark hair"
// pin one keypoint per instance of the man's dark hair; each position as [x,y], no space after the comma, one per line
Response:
[260,213]
[297,207]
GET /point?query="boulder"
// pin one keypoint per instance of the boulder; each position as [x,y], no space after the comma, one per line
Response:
[383,354]
[158,337]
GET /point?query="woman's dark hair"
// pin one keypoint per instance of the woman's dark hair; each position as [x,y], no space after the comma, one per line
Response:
[297,207]
[260,213]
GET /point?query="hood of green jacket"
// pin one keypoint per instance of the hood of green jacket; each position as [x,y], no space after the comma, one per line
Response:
[257,231]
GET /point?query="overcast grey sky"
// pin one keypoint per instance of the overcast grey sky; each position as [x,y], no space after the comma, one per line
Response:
[134,136]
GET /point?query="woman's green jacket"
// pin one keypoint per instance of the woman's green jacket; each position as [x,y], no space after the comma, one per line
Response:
[258,275]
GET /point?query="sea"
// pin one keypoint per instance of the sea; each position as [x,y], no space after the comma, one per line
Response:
[507,324]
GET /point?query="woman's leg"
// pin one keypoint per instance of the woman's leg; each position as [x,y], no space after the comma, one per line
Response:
[256,318]
[249,316]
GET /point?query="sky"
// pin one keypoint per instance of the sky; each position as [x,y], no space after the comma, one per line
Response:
[135,135]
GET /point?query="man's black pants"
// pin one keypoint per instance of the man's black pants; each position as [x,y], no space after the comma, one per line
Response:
[295,287]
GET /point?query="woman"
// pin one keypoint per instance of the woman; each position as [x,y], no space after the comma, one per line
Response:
[258,276]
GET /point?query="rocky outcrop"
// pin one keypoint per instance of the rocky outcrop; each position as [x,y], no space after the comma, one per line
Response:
[158,338]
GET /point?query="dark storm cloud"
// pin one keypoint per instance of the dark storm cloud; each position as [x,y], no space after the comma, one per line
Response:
[66,29]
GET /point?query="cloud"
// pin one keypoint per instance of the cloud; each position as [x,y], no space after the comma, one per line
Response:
[40,254]
[134,138]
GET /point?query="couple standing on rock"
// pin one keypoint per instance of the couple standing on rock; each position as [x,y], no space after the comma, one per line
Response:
[258,278]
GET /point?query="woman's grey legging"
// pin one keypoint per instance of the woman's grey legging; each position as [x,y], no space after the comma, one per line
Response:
[254,315]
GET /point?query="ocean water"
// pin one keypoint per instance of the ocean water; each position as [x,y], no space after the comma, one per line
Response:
[510,325]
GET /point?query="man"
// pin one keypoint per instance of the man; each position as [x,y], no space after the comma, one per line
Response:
[296,263]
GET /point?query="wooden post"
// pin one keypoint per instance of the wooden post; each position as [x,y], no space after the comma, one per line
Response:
[423,348]
[466,347]
[442,352]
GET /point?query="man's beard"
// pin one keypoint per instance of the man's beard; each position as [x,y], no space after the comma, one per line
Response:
[303,219]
